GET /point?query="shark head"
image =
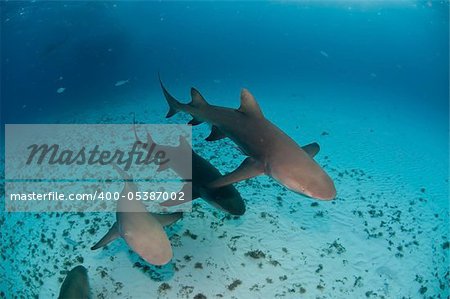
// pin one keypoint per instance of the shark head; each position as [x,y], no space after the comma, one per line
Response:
[155,251]
[305,177]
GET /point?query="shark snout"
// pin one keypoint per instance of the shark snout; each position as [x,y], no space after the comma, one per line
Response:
[323,194]
[322,190]
[321,187]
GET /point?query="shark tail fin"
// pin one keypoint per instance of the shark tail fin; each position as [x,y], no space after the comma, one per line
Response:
[140,143]
[110,236]
[134,128]
[173,103]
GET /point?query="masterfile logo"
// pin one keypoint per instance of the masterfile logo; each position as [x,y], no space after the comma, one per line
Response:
[91,167]
[140,154]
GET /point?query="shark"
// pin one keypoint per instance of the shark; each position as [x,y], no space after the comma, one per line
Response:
[142,231]
[75,285]
[226,198]
[268,149]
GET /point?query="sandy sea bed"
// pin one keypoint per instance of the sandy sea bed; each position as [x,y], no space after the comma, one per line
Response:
[385,236]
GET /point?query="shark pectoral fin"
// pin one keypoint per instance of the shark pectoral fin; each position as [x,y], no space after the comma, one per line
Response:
[110,236]
[249,106]
[125,176]
[170,203]
[248,169]
[311,149]
[216,134]
[194,121]
[241,150]
[197,99]
[168,219]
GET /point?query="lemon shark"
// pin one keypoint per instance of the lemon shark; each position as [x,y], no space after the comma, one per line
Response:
[268,149]
[225,198]
[75,285]
[142,231]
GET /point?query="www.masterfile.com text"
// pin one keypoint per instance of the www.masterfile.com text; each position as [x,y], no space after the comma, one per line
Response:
[59,196]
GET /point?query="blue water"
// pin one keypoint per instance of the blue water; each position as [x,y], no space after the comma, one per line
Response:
[403,44]
[367,80]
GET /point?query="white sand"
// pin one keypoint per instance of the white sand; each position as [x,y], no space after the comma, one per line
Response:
[381,238]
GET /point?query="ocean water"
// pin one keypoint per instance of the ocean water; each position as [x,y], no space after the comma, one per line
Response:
[367,80]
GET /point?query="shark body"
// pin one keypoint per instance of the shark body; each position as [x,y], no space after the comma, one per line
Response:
[141,230]
[270,151]
[225,198]
[75,285]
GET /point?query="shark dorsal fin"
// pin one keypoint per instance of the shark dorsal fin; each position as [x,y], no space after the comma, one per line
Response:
[197,99]
[150,140]
[163,167]
[249,105]
[184,144]
[311,149]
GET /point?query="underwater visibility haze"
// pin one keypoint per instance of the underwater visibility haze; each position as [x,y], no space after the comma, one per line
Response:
[314,163]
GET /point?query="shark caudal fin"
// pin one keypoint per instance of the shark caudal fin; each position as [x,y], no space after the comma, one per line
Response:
[140,143]
[110,236]
[173,103]
[197,101]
